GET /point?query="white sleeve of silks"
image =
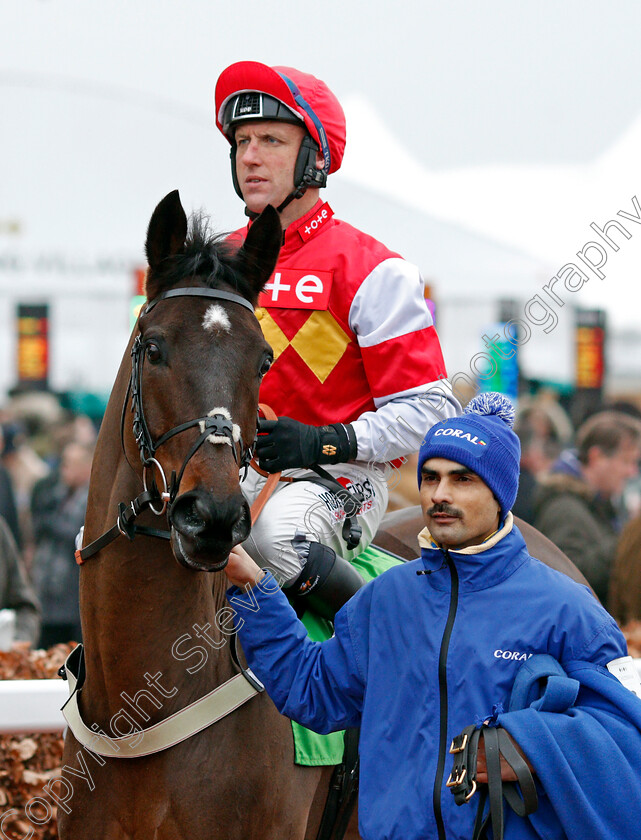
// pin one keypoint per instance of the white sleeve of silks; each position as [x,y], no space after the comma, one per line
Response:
[397,428]
[388,306]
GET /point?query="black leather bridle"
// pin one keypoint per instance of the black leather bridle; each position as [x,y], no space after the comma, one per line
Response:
[217,425]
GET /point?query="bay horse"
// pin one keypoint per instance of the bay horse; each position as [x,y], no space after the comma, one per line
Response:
[153,643]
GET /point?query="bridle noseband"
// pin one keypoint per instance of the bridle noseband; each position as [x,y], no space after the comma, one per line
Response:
[216,427]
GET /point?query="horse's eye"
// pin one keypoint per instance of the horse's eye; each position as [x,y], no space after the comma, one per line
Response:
[153,352]
[267,363]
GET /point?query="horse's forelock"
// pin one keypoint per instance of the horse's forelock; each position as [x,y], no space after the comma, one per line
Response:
[206,255]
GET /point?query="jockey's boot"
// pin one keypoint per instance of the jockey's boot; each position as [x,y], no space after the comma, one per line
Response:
[326,582]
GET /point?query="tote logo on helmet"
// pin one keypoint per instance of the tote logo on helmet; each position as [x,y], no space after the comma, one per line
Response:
[459,433]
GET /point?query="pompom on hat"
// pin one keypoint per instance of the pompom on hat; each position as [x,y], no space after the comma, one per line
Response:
[481,439]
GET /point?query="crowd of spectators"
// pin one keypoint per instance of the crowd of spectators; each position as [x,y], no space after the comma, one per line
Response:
[580,487]
[45,464]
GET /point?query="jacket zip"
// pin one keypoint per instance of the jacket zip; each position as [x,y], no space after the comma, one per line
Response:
[442,690]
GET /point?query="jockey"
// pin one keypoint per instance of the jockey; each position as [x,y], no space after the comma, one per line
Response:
[358,375]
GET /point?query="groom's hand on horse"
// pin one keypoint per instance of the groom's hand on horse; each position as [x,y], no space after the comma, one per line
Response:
[285,444]
[241,569]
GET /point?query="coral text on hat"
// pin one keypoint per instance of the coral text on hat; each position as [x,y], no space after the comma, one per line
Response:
[459,433]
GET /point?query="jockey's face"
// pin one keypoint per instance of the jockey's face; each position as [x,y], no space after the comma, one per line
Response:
[266,153]
[458,507]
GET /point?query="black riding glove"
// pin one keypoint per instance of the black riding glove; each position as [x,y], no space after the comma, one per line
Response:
[284,444]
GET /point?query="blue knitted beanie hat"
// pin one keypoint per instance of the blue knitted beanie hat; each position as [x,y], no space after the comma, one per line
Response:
[482,440]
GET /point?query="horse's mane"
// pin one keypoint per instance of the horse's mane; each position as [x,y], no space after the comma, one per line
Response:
[207,255]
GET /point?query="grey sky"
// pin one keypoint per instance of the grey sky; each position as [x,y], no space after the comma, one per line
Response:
[107,105]
[498,111]
[463,83]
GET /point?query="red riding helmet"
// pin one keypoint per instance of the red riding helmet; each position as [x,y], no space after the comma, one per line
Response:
[249,90]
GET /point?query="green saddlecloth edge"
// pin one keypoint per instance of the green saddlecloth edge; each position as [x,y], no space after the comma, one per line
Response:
[311,749]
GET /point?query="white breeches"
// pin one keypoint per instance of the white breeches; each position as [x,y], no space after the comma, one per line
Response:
[311,513]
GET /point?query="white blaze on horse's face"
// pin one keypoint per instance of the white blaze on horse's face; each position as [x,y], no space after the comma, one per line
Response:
[216,319]
[235,428]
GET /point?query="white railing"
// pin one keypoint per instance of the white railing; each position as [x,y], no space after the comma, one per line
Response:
[34,705]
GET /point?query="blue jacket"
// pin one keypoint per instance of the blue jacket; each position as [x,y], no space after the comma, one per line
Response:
[417,657]
[582,729]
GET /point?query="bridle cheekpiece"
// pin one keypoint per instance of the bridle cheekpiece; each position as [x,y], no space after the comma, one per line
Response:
[216,427]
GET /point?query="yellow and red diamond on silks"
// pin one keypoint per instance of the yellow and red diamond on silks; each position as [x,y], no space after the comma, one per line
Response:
[320,342]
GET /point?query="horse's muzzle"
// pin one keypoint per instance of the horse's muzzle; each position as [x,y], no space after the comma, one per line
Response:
[205,529]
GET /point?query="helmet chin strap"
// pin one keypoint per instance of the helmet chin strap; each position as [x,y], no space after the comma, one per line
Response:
[299,193]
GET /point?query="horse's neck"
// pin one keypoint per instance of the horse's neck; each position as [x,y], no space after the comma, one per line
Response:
[148,624]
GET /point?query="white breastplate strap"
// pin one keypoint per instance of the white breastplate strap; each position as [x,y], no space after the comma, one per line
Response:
[176,728]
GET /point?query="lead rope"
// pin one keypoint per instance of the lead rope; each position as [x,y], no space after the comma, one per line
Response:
[463,785]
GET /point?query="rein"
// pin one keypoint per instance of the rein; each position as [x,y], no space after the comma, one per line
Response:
[351,530]
[216,427]
[272,478]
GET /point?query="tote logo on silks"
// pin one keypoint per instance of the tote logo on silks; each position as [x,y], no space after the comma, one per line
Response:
[295,288]
[459,433]
[307,229]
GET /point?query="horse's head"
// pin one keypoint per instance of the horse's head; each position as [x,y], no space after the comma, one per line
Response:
[197,366]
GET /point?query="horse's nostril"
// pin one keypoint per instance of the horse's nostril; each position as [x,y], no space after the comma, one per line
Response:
[204,511]
[242,526]
[186,516]
[191,516]
[199,516]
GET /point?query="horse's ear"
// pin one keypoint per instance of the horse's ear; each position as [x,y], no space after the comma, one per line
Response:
[256,259]
[166,232]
